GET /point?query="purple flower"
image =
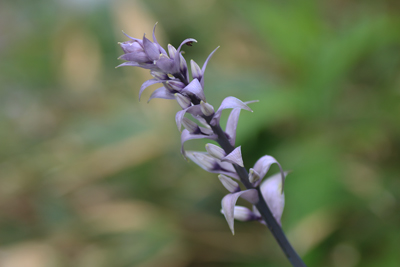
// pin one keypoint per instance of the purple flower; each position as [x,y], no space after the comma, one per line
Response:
[229,209]
[170,69]
[211,164]
[272,192]
[150,55]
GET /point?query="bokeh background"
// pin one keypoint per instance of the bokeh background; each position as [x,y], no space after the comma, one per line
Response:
[89,176]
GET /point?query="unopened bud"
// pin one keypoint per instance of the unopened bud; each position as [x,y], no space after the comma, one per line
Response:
[196,71]
[206,108]
[182,100]
[159,75]
[171,51]
[229,184]
[253,176]
[244,214]
[215,151]
[191,126]
[205,160]
[175,85]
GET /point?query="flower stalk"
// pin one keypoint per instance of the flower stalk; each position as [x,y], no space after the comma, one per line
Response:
[170,69]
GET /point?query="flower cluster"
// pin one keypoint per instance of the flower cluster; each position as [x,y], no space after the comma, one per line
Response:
[171,70]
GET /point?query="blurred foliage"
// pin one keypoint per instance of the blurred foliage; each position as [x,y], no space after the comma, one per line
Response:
[91,177]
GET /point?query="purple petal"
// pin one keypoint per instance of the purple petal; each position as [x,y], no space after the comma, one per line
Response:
[177,57]
[176,84]
[194,110]
[234,157]
[231,125]
[206,131]
[196,71]
[130,37]
[271,189]
[159,75]
[182,100]
[171,51]
[151,49]
[206,108]
[211,164]
[229,184]
[183,67]
[135,64]
[203,69]
[154,33]
[147,84]
[215,151]
[202,121]
[140,57]
[161,92]
[232,122]
[191,126]
[131,47]
[194,87]
[166,64]
[188,40]
[229,102]
[263,164]
[155,40]
[205,161]
[186,136]
[229,201]
[244,214]
[130,63]
[227,166]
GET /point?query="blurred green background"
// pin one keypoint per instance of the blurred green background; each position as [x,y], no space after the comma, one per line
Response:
[89,176]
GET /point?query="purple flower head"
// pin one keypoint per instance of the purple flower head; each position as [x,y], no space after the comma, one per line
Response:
[200,120]
[170,69]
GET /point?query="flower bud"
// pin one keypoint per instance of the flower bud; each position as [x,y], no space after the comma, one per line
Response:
[191,126]
[229,184]
[244,214]
[159,75]
[196,71]
[175,85]
[206,108]
[205,160]
[215,151]
[182,100]
[253,176]
[171,51]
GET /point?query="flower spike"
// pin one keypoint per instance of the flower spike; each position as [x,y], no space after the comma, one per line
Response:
[170,69]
